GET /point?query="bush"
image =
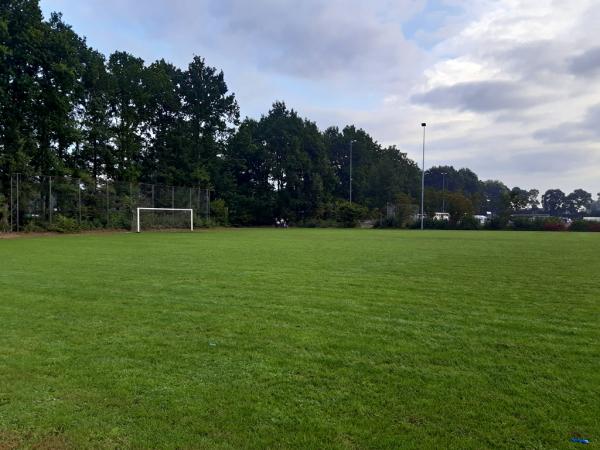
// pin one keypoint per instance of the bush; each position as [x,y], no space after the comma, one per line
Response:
[33,227]
[219,212]
[432,224]
[389,222]
[554,224]
[525,224]
[496,223]
[4,214]
[349,214]
[64,224]
[584,225]
[469,223]
[319,223]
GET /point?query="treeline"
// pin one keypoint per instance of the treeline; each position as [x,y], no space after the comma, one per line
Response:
[461,193]
[67,110]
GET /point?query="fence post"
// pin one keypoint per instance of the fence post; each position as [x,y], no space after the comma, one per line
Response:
[79,200]
[207,206]
[50,198]
[107,206]
[153,221]
[11,203]
[173,206]
[18,177]
[131,203]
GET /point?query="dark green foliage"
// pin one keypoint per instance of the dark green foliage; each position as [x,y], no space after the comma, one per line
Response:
[4,214]
[64,224]
[554,201]
[349,214]
[469,223]
[583,225]
[578,201]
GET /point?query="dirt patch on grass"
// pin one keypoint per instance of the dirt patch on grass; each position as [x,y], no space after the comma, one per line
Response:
[50,234]
[52,442]
[35,234]
[9,440]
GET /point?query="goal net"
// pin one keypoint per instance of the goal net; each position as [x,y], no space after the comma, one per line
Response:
[164,218]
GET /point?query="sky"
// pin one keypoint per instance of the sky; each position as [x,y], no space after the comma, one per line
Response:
[508,88]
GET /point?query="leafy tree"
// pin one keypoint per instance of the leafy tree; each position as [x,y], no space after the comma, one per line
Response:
[93,152]
[459,207]
[497,198]
[578,201]
[519,198]
[452,180]
[21,32]
[166,158]
[128,102]
[533,201]
[210,111]
[554,201]
[349,214]
[246,185]
[391,174]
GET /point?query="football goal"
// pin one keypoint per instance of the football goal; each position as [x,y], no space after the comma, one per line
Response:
[164,218]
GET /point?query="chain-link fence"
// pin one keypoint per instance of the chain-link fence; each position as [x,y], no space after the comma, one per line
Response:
[48,202]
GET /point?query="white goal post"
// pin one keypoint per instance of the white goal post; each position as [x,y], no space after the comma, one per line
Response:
[166,209]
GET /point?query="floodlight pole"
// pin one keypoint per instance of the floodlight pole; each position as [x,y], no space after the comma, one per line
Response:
[423,178]
[352,141]
[443,191]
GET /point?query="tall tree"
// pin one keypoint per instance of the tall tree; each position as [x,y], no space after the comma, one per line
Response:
[519,198]
[128,102]
[165,158]
[578,201]
[554,201]
[94,151]
[211,112]
[21,32]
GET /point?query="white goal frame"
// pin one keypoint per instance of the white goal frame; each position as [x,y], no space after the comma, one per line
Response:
[166,209]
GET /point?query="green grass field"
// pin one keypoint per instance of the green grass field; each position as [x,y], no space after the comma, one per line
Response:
[300,339]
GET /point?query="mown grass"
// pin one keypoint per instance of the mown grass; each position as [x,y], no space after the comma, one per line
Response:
[300,339]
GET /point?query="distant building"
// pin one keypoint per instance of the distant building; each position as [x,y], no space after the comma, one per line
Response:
[441,216]
[592,219]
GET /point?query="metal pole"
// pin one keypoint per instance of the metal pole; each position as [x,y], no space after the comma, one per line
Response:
[423,178]
[173,205]
[79,199]
[138,220]
[444,192]
[191,220]
[131,202]
[207,206]
[50,198]
[351,142]
[18,177]
[153,205]
[11,203]
[107,206]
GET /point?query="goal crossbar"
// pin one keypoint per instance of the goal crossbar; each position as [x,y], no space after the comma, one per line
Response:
[166,209]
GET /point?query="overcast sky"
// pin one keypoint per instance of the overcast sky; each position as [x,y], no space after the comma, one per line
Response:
[509,88]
